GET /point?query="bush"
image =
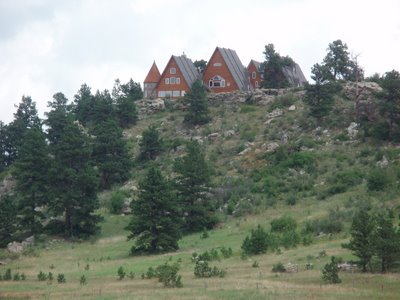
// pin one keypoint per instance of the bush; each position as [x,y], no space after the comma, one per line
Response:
[117,201]
[226,252]
[278,268]
[378,180]
[121,273]
[256,243]
[168,275]
[61,278]
[283,224]
[7,275]
[202,270]
[83,280]
[41,276]
[330,273]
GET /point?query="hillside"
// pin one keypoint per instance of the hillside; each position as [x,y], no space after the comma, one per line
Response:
[270,159]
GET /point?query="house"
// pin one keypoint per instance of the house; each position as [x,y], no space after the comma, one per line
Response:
[293,74]
[151,80]
[177,77]
[256,74]
[225,72]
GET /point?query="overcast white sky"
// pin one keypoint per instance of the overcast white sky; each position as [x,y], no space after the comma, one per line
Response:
[49,46]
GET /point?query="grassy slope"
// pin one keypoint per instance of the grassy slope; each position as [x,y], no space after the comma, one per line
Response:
[105,254]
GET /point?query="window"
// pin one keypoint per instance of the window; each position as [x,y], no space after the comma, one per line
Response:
[253,75]
[172,71]
[217,64]
[167,80]
[256,84]
[183,93]
[176,93]
[178,80]
[161,94]
[168,93]
[216,81]
[172,80]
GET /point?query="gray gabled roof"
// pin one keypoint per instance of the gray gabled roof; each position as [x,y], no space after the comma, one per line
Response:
[236,67]
[189,71]
[294,75]
[257,65]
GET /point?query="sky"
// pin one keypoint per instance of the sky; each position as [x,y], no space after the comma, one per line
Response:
[50,46]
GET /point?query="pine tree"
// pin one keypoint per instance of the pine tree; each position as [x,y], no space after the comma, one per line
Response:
[83,105]
[151,144]
[196,98]
[386,241]
[192,183]
[25,117]
[8,219]
[31,173]
[73,178]
[110,153]
[273,68]
[330,273]
[361,242]
[320,99]
[124,96]
[155,222]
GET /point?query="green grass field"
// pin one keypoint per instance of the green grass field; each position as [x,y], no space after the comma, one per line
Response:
[242,281]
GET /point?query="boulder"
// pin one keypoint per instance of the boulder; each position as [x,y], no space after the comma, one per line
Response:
[271,147]
[15,247]
[292,108]
[352,130]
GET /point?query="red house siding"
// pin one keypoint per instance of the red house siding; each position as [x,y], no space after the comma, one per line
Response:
[217,67]
[164,89]
[254,82]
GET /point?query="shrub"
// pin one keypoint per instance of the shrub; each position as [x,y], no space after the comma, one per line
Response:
[256,243]
[202,269]
[61,278]
[7,275]
[121,273]
[330,273]
[278,268]
[41,276]
[255,264]
[23,277]
[50,276]
[168,275]
[117,201]
[17,277]
[131,275]
[83,280]
[283,224]
[226,252]
[150,273]
[378,180]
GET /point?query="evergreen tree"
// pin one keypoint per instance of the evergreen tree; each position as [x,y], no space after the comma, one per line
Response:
[83,105]
[273,68]
[320,99]
[257,243]
[4,147]
[361,241]
[330,273]
[73,178]
[389,101]
[110,153]
[151,144]
[155,221]
[337,65]
[196,98]
[8,219]
[25,117]
[31,174]
[192,183]
[386,241]
[124,97]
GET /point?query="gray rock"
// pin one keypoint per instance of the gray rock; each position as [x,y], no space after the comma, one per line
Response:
[15,247]
[292,108]
[352,130]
